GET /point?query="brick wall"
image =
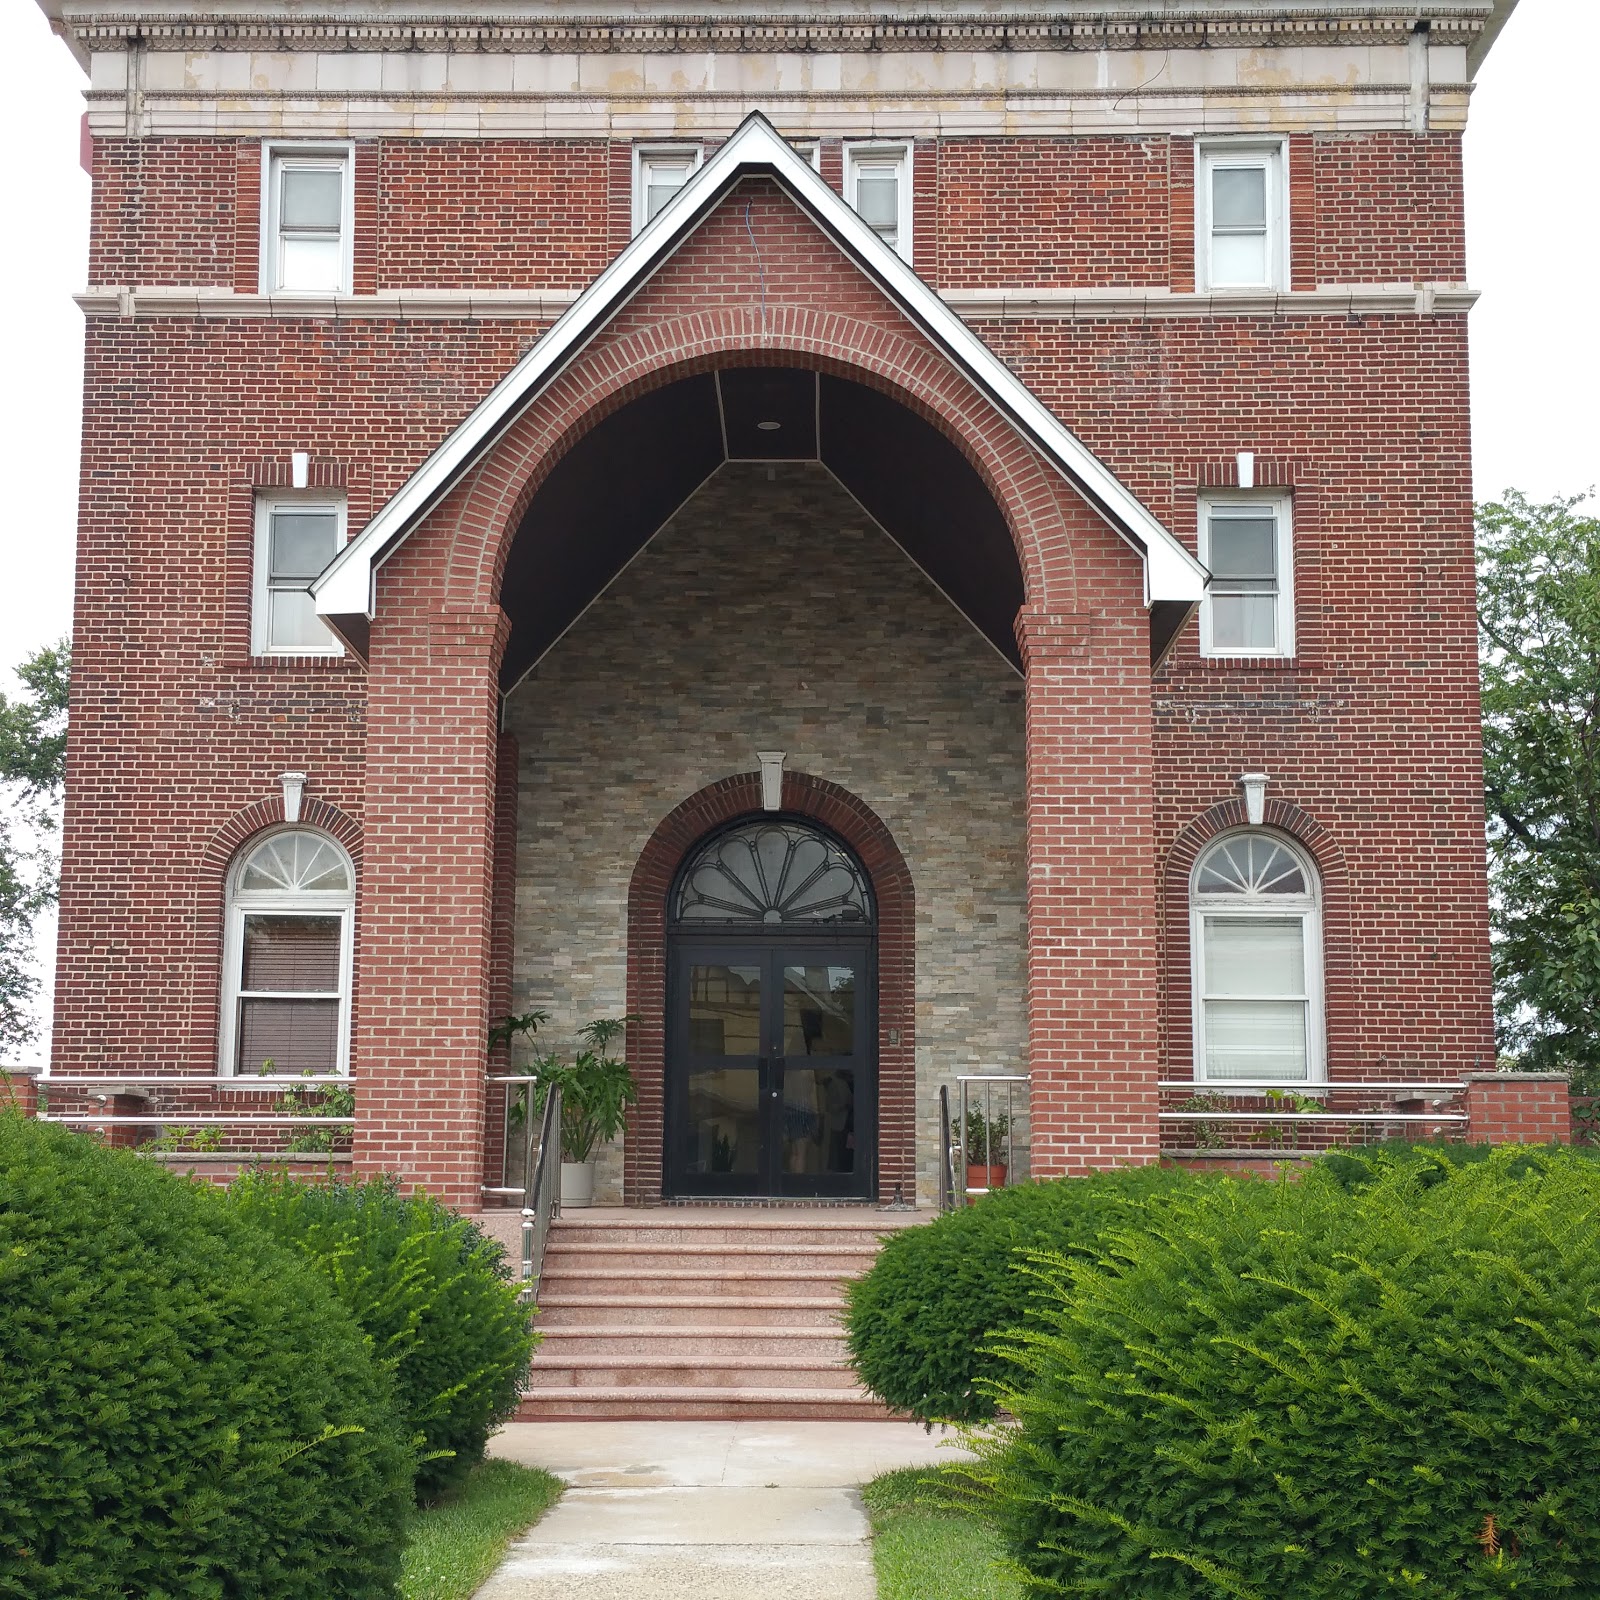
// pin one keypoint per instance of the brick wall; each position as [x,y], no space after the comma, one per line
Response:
[989,212]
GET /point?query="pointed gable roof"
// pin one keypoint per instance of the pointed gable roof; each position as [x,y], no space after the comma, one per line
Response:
[1174,580]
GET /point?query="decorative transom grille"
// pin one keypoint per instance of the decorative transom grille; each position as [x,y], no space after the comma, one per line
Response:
[295,863]
[774,873]
[1252,864]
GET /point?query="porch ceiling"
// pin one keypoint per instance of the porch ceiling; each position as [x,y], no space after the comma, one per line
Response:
[623,480]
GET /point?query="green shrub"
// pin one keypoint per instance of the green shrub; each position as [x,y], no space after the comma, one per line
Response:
[1295,1391]
[1435,1159]
[918,1321]
[186,1412]
[431,1291]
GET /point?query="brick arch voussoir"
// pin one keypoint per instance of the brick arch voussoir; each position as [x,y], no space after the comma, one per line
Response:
[715,806]
[487,510]
[1328,857]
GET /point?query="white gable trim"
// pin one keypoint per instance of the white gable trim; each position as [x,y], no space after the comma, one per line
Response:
[345,587]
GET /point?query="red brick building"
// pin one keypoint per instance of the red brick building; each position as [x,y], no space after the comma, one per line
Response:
[884,547]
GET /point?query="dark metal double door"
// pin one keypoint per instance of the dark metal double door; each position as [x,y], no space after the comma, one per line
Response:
[770,1081]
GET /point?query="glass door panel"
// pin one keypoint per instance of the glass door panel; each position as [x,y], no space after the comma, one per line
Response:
[718,1090]
[823,1035]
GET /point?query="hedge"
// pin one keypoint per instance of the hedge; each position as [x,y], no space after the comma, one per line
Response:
[432,1292]
[919,1321]
[186,1412]
[1298,1391]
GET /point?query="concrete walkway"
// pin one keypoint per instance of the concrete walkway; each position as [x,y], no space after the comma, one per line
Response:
[708,1510]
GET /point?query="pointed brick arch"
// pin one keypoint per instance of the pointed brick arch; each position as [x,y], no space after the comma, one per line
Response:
[674,839]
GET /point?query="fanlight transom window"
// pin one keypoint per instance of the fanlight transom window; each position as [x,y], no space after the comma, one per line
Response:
[286,1005]
[295,863]
[773,873]
[1257,963]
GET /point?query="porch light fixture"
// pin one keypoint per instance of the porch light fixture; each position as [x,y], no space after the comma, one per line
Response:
[769,427]
[771,779]
[1246,460]
[1254,785]
[293,786]
[299,469]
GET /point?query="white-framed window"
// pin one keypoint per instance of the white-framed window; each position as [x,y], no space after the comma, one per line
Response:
[1247,545]
[809,151]
[877,183]
[659,172]
[287,957]
[1256,944]
[307,218]
[1241,216]
[296,537]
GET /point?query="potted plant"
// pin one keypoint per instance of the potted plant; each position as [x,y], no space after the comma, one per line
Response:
[596,1090]
[983,1139]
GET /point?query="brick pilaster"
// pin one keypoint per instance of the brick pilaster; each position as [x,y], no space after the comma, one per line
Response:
[1092,988]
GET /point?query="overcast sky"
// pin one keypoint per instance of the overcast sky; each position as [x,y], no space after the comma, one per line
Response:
[1533,249]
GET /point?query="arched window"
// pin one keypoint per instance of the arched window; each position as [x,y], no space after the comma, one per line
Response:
[1257,948]
[286,988]
[773,873]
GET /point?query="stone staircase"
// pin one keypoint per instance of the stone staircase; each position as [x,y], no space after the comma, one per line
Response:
[711,1312]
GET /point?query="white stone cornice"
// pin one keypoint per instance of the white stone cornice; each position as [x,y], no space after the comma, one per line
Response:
[973,305]
[1134,25]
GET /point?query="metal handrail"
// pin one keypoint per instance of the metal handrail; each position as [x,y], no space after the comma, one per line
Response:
[231,1080]
[947,1169]
[542,1205]
[968,1086]
[1303,1086]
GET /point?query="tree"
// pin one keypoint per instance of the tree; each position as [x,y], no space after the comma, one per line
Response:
[1539,644]
[33,747]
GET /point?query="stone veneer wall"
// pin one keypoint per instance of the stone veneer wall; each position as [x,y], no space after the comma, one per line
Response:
[772,613]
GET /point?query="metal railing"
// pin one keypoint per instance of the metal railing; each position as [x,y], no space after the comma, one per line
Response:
[539,1190]
[1285,1110]
[107,1086]
[983,1137]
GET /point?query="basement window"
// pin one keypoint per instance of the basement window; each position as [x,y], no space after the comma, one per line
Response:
[1241,233]
[1247,545]
[877,183]
[306,219]
[659,172]
[296,537]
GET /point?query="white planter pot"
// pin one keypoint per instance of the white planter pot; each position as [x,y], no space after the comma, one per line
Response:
[577,1183]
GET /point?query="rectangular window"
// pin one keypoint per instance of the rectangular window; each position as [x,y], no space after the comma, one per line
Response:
[877,183]
[659,172]
[1249,608]
[809,151]
[306,219]
[290,993]
[1255,997]
[295,540]
[1240,217]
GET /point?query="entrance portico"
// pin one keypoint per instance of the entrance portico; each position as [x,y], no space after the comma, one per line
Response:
[473,581]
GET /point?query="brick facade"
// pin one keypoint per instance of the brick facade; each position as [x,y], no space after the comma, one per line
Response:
[1068,806]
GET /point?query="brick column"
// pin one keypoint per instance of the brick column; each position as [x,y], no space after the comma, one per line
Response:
[1092,989]
[1518,1108]
[427,867]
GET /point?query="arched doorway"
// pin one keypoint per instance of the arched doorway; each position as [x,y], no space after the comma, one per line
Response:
[771,1080]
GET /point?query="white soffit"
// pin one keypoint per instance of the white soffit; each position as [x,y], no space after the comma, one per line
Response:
[345,587]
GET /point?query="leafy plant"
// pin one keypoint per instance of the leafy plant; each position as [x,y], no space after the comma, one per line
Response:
[918,1322]
[198,1140]
[1539,655]
[1208,1135]
[1303,1391]
[315,1100]
[185,1409]
[432,1292]
[597,1088]
[985,1140]
[33,744]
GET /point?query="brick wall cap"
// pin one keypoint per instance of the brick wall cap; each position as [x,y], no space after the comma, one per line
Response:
[1516,1077]
[344,592]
